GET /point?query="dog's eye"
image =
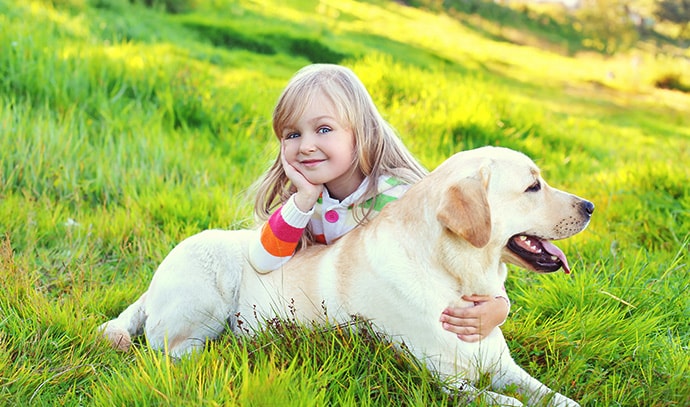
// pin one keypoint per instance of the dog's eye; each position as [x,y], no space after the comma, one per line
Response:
[534,187]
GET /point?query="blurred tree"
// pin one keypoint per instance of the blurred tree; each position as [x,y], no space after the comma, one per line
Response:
[606,25]
[674,11]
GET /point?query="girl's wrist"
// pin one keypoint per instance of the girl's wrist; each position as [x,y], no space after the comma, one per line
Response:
[304,201]
[504,298]
[293,215]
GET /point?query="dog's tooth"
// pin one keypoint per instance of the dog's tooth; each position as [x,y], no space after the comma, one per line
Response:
[523,237]
[554,258]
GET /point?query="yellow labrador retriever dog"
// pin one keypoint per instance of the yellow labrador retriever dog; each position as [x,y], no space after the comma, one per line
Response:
[449,235]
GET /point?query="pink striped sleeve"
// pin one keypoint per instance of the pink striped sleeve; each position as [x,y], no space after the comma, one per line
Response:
[282,229]
[279,237]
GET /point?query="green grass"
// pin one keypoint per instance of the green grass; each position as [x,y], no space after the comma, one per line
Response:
[124,130]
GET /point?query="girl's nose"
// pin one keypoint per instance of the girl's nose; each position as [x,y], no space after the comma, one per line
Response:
[307,145]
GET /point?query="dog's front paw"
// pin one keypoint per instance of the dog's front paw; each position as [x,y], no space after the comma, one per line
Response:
[470,395]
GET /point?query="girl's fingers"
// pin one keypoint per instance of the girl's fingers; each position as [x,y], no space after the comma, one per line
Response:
[459,321]
[460,329]
[459,325]
[476,298]
[463,313]
[292,173]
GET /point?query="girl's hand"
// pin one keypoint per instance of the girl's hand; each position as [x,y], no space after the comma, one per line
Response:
[307,193]
[474,323]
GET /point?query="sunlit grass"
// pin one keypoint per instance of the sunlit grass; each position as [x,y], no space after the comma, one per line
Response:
[122,133]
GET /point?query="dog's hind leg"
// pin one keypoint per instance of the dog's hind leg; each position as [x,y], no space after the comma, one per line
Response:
[180,331]
[119,331]
[195,291]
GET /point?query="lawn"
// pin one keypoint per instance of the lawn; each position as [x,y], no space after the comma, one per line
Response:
[125,129]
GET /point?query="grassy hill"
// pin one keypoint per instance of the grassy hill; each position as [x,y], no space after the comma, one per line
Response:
[125,129]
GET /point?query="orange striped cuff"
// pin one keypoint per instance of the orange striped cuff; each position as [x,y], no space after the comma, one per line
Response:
[275,246]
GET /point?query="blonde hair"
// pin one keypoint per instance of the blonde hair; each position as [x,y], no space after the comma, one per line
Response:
[379,150]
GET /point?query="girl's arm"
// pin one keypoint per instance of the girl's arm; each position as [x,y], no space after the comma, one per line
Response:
[279,237]
[472,324]
[283,230]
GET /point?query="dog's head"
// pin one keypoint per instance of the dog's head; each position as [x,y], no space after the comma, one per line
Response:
[495,197]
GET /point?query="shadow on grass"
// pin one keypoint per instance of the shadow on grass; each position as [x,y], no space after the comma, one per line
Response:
[265,43]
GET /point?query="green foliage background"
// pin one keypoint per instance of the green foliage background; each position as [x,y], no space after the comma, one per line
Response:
[126,128]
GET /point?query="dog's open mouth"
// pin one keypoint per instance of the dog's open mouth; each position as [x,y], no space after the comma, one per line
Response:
[542,255]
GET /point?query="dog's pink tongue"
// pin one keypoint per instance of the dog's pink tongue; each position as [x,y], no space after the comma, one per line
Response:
[555,251]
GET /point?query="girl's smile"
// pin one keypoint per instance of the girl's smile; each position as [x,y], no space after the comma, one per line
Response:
[311,163]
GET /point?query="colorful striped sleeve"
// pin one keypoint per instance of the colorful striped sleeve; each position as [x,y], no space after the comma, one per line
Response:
[279,237]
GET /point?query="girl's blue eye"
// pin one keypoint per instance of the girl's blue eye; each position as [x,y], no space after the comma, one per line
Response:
[323,130]
[291,136]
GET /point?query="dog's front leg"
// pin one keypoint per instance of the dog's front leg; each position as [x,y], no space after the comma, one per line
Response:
[536,393]
[493,357]
[466,365]
[471,395]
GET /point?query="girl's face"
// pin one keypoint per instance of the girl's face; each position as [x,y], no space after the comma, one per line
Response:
[322,148]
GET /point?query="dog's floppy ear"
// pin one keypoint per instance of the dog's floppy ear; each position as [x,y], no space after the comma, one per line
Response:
[464,210]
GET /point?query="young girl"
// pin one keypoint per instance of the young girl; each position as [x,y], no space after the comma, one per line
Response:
[340,162]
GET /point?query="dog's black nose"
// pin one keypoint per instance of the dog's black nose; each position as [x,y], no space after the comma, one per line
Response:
[587,208]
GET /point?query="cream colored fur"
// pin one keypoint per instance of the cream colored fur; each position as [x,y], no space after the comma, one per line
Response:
[444,238]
